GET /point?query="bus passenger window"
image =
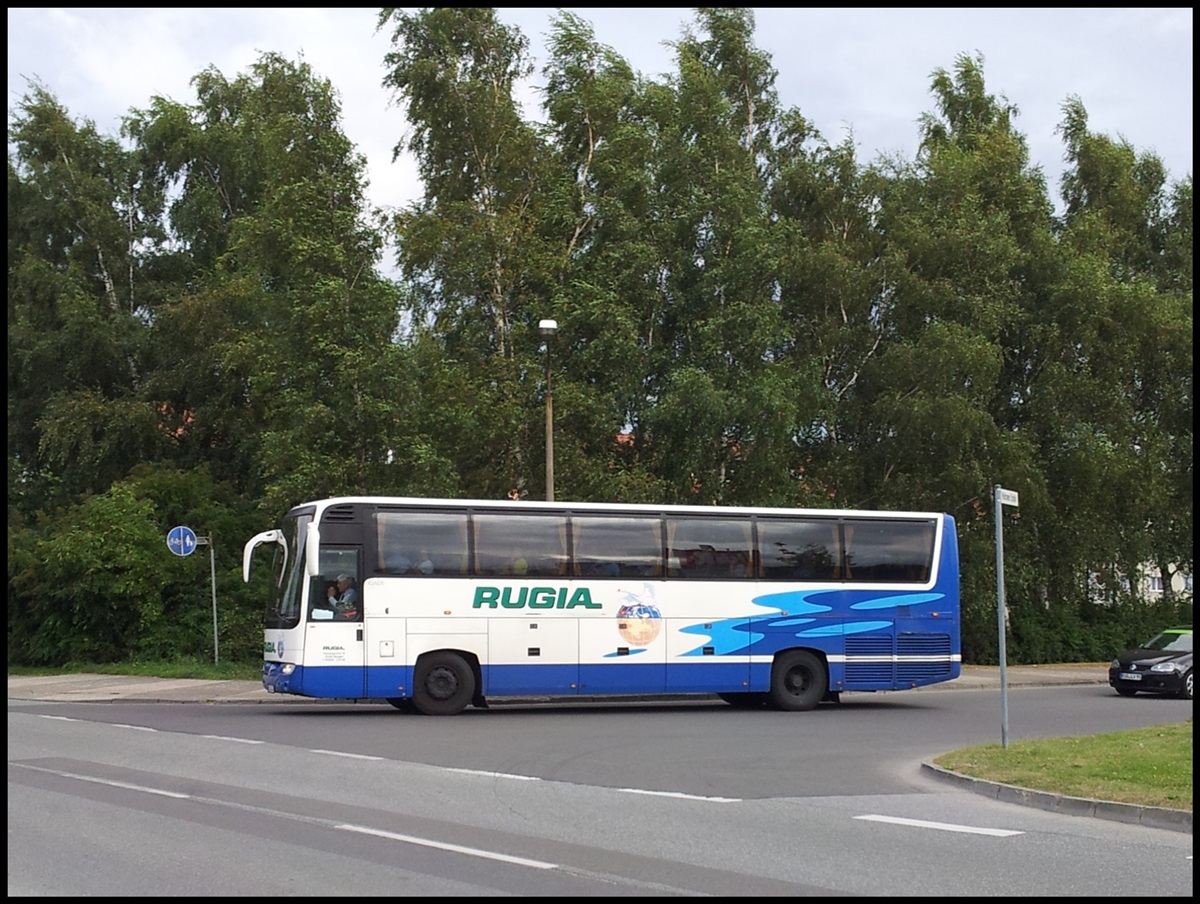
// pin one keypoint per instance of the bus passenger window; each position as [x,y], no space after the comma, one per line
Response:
[520,545]
[615,546]
[889,551]
[421,542]
[710,547]
[799,550]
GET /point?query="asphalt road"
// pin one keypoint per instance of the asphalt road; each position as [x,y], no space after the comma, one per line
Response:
[143,795]
[92,688]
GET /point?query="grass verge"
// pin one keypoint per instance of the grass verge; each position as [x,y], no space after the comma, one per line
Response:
[1150,767]
[181,668]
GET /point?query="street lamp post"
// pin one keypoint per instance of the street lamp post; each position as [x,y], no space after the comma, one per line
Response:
[548,328]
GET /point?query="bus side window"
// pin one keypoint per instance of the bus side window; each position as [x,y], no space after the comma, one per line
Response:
[798,550]
[520,545]
[710,547]
[888,551]
[420,543]
[616,546]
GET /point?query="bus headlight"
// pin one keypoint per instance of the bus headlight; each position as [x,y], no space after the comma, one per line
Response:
[287,668]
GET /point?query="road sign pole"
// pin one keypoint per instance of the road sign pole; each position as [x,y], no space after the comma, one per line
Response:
[212,567]
[1001,498]
[182,541]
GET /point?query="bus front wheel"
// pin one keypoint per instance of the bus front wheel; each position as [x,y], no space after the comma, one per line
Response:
[798,681]
[444,685]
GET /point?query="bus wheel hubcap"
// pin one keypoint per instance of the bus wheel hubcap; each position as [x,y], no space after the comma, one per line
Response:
[442,683]
[796,681]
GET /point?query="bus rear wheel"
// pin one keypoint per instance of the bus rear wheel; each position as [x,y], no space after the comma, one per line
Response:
[444,685]
[798,681]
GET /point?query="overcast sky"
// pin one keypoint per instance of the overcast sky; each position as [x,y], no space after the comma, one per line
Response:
[845,69]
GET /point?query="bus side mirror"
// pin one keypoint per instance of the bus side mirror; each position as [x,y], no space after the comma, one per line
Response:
[267,536]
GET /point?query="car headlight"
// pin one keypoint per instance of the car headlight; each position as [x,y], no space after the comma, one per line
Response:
[1115,664]
[1163,667]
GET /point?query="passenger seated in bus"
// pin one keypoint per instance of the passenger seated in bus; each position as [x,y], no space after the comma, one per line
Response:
[601,569]
[402,564]
[519,565]
[397,563]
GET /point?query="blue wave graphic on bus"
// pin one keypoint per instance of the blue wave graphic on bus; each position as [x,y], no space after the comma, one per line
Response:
[736,636]
[727,637]
[803,602]
[836,630]
[903,599]
[794,602]
[766,634]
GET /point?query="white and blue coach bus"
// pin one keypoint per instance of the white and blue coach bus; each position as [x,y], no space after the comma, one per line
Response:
[435,605]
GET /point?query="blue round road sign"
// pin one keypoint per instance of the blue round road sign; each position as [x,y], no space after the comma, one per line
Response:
[181,540]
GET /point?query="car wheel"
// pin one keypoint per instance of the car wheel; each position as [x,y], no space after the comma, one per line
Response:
[1125,691]
[1185,690]
[798,681]
[444,684]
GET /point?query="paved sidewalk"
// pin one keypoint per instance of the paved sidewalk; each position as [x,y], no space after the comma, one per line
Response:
[128,688]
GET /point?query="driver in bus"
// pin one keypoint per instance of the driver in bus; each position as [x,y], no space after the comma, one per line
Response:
[343,597]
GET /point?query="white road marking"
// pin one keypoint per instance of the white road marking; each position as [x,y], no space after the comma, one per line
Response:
[103,781]
[940,826]
[351,756]
[453,848]
[681,795]
[484,774]
[534,778]
[407,839]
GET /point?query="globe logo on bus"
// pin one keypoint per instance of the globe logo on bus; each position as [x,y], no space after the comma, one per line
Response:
[638,621]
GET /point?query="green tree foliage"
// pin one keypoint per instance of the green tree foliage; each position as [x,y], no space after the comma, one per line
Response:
[1131,334]
[476,269]
[76,306]
[719,319]
[277,362]
[98,584]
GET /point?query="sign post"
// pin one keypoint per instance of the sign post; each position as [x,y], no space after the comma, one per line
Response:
[183,542]
[1002,498]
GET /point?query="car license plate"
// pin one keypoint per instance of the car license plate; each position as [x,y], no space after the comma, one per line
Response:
[1130,676]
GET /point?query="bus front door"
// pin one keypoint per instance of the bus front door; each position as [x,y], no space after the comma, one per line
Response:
[333,662]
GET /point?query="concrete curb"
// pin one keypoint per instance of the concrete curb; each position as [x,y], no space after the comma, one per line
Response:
[1131,814]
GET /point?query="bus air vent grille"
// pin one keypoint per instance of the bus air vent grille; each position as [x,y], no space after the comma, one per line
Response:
[922,656]
[340,513]
[869,659]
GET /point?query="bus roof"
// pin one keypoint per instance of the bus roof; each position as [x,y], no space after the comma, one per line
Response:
[597,507]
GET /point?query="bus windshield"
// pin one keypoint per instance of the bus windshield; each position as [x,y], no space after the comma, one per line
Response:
[287,575]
